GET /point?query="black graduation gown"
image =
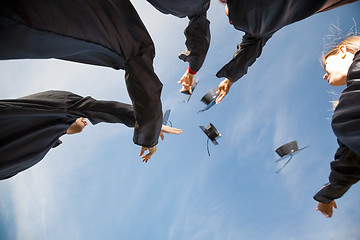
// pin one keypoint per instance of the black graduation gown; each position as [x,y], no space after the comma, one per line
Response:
[30,126]
[198,30]
[99,32]
[260,19]
[345,169]
[346,119]
[345,172]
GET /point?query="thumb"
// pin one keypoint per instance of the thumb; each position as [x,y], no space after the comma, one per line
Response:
[142,151]
[162,136]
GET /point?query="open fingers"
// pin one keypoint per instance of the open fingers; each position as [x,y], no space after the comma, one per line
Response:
[142,151]
[220,97]
[220,88]
[329,214]
[170,130]
[176,131]
[185,80]
[323,212]
[148,156]
[186,88]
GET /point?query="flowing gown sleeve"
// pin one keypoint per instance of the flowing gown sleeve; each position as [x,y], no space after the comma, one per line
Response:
[101,111]
[197,39]
[111,112]
[247,52]
[197,32]
[260,19]
[345,171]
[32,125]
[108,33]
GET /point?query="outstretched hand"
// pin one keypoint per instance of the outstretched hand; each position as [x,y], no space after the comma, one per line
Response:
[170,130]
[146,157]
[223,89]
[187,81]
[326,208]
[152,150]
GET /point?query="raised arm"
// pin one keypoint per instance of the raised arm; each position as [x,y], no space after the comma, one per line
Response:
[345,171]
[101,111]
[247,52]
[197,42]
[197,39]
[111,112]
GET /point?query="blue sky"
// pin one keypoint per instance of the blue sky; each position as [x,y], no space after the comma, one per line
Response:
[95,185]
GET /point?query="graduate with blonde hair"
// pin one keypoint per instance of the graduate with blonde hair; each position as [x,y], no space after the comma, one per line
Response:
[342,67]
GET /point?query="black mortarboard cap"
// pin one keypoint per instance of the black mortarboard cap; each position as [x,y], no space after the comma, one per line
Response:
[166,117]
[195,83]
[212,133]
[288,150]
[209,98]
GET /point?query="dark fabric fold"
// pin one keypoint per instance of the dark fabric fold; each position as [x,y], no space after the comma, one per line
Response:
[345,171]
[32,125]
[259,20]
[197,32]
[346,118]
[107,33]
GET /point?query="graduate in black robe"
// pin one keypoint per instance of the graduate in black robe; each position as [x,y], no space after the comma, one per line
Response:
[342,66]
[98,32]
[260,19]
[197,33]
[32,125]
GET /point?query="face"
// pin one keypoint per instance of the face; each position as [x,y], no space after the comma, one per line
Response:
[77,126]
[337,67]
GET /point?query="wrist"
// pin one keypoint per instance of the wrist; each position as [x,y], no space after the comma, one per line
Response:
[228,82]
[191,71]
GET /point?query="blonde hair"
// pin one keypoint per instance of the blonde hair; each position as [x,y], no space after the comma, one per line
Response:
[352,45]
